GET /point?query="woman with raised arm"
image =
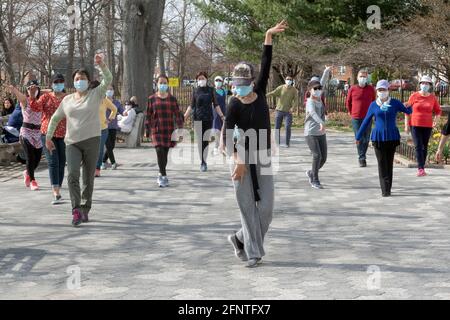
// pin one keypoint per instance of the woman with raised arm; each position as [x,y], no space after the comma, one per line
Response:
[385,136]
[250,168]
[82,113]
[30,132]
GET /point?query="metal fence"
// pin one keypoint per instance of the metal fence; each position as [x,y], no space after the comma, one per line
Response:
[335,99]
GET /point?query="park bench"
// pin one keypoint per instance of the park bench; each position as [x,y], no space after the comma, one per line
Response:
[133,138]
[8,151]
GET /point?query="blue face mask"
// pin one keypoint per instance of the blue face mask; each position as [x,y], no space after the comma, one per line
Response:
[243,91]
[163,87]
[81,85]
[58,87]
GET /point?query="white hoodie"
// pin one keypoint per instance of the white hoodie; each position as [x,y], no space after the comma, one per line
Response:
[126,122]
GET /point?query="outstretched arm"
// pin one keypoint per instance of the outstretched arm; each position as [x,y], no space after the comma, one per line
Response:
[266,61]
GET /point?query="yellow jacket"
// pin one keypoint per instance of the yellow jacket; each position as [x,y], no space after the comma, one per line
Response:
[107,104]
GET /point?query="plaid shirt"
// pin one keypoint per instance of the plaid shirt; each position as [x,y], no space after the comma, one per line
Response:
[162,117]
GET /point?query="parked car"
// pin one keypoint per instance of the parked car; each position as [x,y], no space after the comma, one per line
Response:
[405,84]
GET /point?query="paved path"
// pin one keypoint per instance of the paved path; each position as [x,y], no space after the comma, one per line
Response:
[148,243]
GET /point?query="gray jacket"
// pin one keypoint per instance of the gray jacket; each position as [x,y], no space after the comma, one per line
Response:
[315,116]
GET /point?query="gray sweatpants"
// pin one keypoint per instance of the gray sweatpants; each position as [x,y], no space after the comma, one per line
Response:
[83,154]
[255,216]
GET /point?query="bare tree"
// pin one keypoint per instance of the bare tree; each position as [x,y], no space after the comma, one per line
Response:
[142,27]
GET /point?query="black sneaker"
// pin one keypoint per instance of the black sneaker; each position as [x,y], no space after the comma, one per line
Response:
[309,175]
[238,247]
[57,200]
[362,163]
[316,185]
[85,217]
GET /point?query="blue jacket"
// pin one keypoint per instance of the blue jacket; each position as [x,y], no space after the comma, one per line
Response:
[113,124]
[385,121]
[16,118]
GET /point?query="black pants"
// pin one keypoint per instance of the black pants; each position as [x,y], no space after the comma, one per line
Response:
[385,152]
[421,137]
[110,145]
[162,153]
[319,150]
[205,126]
[34,156]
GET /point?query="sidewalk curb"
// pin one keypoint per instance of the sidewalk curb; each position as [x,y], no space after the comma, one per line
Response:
[412,164]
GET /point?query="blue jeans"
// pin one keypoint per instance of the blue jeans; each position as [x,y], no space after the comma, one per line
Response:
[103,139]
[279,116]
[421,137]
[56,161]
[365,138]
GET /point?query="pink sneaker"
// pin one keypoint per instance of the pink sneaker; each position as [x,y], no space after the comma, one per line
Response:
[34,186]
[97,173]
[421,173]
[26,179]
[77,218]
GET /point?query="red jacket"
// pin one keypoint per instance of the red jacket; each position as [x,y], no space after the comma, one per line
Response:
[359,100]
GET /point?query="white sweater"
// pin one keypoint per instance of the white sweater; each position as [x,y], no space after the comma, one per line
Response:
[126,122]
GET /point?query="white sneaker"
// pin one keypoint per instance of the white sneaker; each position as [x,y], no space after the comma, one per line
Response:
[103,166]
[114,166]
[160,182]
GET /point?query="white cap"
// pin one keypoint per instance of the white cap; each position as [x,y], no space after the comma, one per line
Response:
[426,79]
[383,84]
[218,78]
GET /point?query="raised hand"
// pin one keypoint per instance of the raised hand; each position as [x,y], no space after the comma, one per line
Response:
[280,27]
[99,59]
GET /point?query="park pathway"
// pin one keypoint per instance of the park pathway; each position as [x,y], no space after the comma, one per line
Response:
[343,242]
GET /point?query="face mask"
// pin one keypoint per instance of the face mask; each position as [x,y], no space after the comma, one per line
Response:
[289,82]
[425,88]
[219,84]
[128,107]
[362,81]
[317,93]
[58,87]
[244,91]
[202,83]
[81,85]
[110,93]
[383,95]
[233,90]
[163,87]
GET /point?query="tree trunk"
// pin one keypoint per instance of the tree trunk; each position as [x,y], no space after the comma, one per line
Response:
[7,56]
[143,19]
[162,64]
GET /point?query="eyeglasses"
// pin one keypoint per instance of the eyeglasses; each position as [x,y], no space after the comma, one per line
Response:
[318,88]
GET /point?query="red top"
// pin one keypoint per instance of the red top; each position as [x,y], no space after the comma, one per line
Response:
[359,100]
[50,103]
[162,116]
[423,109]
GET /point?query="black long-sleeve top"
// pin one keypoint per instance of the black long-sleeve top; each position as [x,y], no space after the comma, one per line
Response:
[256,114]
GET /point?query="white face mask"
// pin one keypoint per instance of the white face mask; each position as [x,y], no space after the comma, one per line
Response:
[362,81]
[202,83]
[425,88]
[110,93]
[289,82]
[383,94]
[317,93]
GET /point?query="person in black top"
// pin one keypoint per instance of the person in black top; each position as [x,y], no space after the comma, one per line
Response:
[445,134]
[203,101]
[248,122]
